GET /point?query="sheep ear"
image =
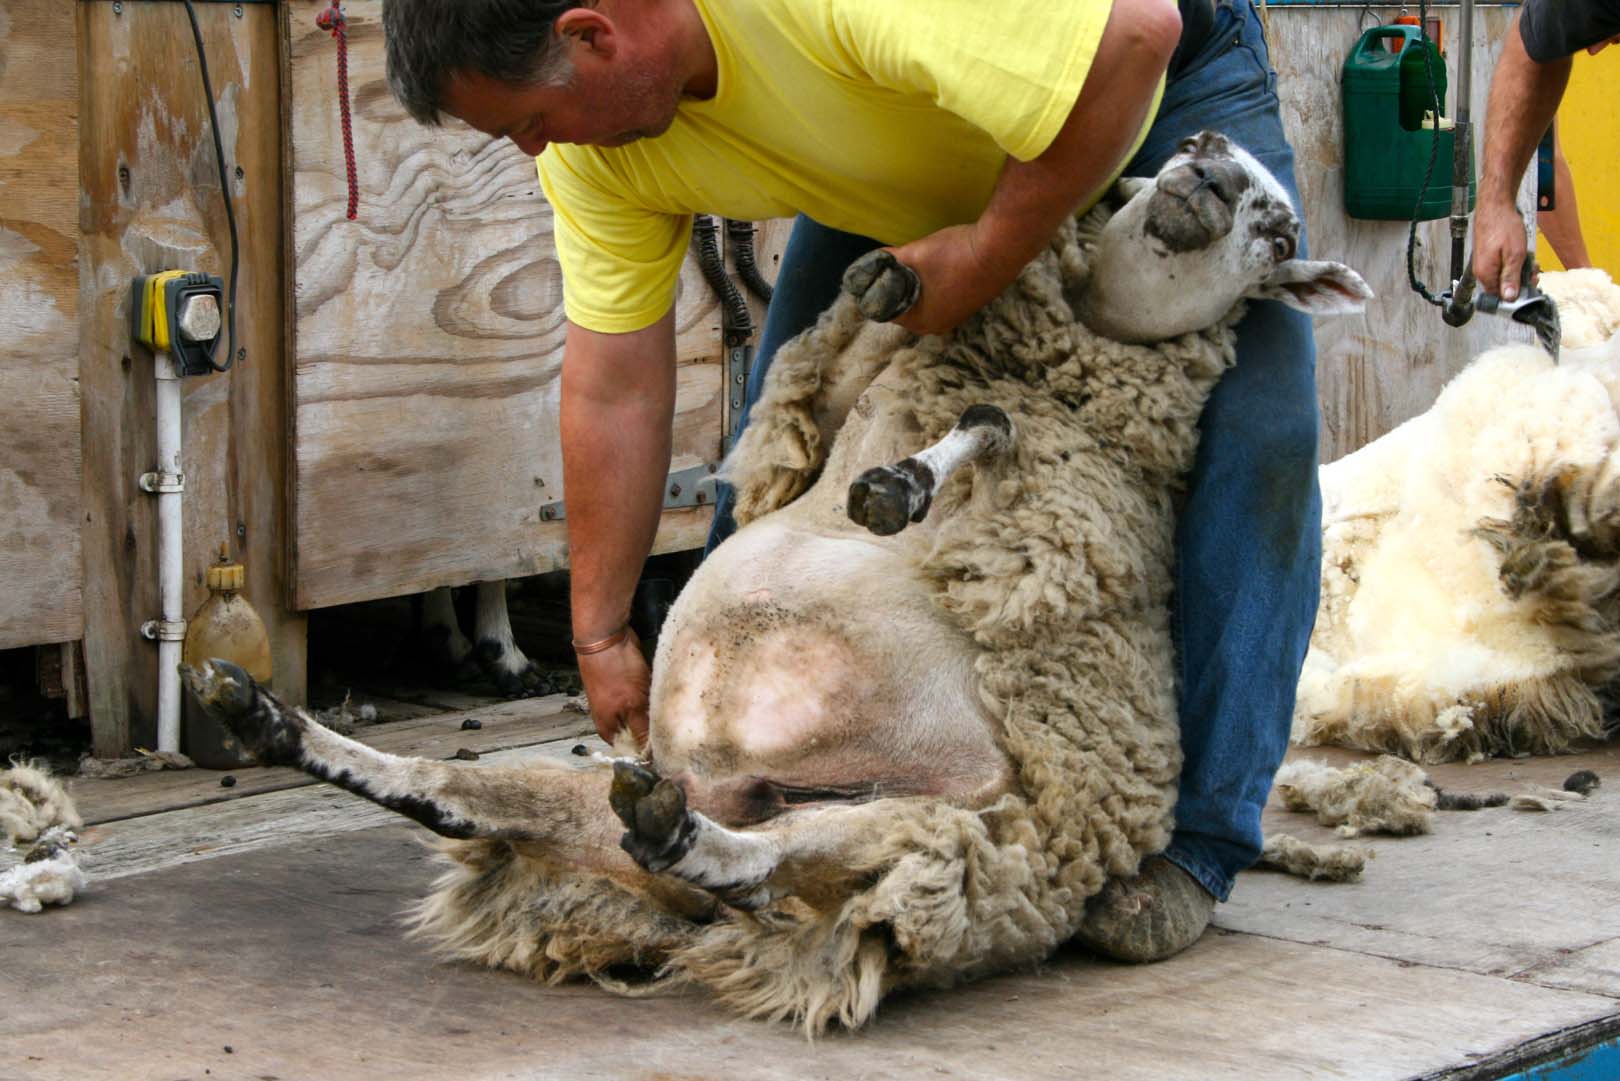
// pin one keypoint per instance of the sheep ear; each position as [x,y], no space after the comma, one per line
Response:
[1316,287]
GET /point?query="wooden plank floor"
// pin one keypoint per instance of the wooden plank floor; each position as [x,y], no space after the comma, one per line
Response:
[258,938]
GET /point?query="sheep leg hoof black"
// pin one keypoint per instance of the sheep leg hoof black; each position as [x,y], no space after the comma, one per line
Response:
[883,286]
[658,828]
[271,732]
[884,499]
[513,674]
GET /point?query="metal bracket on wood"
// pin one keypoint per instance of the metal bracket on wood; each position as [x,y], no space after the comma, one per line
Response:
[164,630]
[693,487]
[158,483]
[737,360]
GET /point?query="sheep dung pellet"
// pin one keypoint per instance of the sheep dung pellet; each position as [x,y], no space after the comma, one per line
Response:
[227,781]
[471,724]
[1582,781]
[466,754]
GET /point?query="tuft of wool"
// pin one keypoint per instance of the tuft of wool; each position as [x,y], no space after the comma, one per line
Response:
[1542,798]
[1588,305]
[1386,795]
[31,802]
[49,874]
[1332,863]
[501,905]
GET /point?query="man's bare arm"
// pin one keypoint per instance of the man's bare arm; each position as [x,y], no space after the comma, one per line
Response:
[964,267]
[618,404]
[1524,97]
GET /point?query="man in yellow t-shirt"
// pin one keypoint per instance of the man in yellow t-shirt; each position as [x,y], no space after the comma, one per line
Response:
[960,134]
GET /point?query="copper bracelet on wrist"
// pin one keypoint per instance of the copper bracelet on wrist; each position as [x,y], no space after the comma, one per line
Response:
[585,649]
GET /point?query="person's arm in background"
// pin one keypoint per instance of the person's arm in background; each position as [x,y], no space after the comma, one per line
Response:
[1562,224]
[618,405]
[964,267]
[1524,97]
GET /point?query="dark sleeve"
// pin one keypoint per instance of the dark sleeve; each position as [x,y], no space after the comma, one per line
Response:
[1554,29]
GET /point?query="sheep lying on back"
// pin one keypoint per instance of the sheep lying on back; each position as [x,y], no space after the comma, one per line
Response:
[1471,558]
[910,716]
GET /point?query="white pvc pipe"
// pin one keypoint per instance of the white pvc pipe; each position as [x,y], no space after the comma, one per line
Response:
[171,570]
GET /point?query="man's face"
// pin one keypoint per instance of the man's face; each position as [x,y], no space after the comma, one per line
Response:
[603,103]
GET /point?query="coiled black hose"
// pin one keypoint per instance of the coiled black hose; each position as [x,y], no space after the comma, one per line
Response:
[738,323]
[741,235]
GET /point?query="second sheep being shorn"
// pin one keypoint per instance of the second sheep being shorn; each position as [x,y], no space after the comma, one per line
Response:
[41,823]
[1471,558]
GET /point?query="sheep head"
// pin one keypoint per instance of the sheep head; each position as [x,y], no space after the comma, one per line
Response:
[1214,226]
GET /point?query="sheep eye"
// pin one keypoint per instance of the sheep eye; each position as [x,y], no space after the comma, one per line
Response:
[1282,247]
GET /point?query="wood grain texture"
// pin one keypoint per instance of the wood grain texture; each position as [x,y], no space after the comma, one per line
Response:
[39,326]
[427,344]
[151,201]
[1386,365]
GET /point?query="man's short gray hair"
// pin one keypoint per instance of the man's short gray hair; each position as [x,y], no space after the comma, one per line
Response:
[428,41]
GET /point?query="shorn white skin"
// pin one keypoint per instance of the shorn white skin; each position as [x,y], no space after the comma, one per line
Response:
[805,677]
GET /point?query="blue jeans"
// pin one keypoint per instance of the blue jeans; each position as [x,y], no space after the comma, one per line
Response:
[1249,539]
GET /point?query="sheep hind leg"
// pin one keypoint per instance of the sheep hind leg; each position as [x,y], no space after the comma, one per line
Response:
[451,800]
[885,499]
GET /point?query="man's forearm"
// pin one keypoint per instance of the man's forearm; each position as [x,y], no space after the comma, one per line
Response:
[1523,100]
[618,400]
[1033,197]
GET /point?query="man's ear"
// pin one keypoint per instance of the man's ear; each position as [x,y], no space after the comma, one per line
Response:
[1315,287]
[590,27]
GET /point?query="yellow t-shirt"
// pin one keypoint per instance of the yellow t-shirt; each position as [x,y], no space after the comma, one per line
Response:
[887,118]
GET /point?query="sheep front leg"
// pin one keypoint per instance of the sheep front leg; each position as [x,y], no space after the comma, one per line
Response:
[808,853]
[886,498]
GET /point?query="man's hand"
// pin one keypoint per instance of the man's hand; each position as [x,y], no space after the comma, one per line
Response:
[616,684]
[1499,248]
[956,282]
[1523,98]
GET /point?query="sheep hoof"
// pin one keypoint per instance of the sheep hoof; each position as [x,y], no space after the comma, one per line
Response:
[514,675]
[886,498]
[272,733]
[658,829]
[883,286]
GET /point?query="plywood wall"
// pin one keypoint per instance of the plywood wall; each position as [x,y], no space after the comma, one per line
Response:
[1377,369]
[150,198]
[426,345]
[39,325]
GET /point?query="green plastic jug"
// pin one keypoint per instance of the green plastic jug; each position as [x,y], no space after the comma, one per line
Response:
[1387,142]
